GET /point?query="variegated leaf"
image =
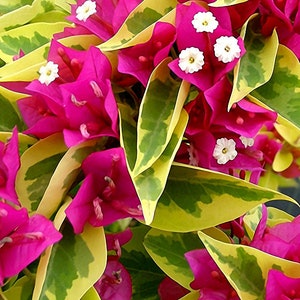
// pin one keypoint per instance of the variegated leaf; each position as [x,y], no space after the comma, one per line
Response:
[80,259]
[220,3]
[27,38]
[150,183]
[281,93]
[159,113]
[196,199]
[147,276]
[256,66]
[167,250]
[64,175]
[38,164]
[139,25]
[246,268]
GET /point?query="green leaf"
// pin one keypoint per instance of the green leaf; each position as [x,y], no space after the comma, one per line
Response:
[9,117]
[24,14]
[64,176]
[21,290]
[220,3]
[139,25]
[91,294]
[159,114]
[128,134]
[167,249]
[256,65]
[196,199]
[26,68]
[145,274]
[246,268]
[38,164]
[27,38]
[281,92]
[150,183]
[69,268]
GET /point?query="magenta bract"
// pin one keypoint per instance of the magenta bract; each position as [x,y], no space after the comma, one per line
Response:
[107,193]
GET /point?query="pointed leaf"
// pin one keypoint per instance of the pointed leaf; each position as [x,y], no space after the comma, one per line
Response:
[27,38]
[246,268]
[256,66]
[283,97]
[139,25]
[167,250]
[193,197]
[128,135]
[145,274]
[91,294]
[151,182]
[159,113]
[220,3]
[64,175]
[38,164]
[9,117]
[22,289]
[24,14]
[26,68]
[83,258]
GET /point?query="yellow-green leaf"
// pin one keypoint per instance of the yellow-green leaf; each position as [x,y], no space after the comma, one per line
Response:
[167,249]
[38,164]
[246,268]
[150,183]
[69,268]
[64,175]
[139,25]
[196,198]
[220,3]
[282,160]
[91,294]
[159,113]
[27,38]
[281,93]
[256,66]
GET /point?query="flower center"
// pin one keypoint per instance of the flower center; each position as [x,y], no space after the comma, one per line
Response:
[227,48]
[191,60]
[224,150]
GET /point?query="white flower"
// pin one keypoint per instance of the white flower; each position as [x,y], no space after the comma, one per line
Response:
[191,60]
[224,151]
[205,22]
[48,73]
[247,142]
[227,49]
[84,11]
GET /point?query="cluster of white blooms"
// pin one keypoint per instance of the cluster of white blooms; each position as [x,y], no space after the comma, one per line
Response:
[226,48]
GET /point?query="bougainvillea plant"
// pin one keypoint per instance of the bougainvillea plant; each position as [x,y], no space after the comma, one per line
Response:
[144,147]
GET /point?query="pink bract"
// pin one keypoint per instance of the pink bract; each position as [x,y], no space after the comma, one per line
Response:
[153,52]
[23,238]
[9,166]
[208,278]
[280,284]
[107,193]
[282,240]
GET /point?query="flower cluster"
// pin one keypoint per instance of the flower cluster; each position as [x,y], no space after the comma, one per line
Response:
[142,143]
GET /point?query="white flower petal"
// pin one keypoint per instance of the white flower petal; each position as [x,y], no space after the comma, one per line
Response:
[205,22]
[191,60]
[48,73]
[247,142]
[84,11]
[224,151]
[227,49]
